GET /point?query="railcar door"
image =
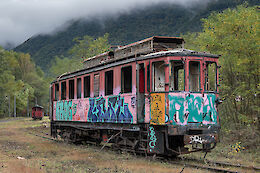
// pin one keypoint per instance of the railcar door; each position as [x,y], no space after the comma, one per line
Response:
[158,93]
[140,78]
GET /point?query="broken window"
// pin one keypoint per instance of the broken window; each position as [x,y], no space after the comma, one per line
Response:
[158,76]
[126,79]
[109,83]
[71,89]
[57,88]
[86,86]
[211,76]
[96,85]
[194,79]
[177,79]
[79,88]
[63,90]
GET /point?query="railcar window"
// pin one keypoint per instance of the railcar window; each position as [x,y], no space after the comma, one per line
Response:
[109,82]
[71,89]
[63,90]
[177,79]
[158,76]
[194,79]
[96,85]
[57,91]
[141,78]
[126,79]
[148,78]
[79,88]
[86,86]
[211,76]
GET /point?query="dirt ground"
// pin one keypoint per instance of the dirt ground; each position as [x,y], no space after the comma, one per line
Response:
[23,152]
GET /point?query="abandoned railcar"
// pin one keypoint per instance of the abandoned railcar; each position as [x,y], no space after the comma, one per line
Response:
[152,96]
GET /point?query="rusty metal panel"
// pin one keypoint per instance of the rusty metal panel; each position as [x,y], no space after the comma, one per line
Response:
[157,108]
[143,47]
[155,140]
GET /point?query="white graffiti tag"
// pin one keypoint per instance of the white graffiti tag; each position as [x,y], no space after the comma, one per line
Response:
[196,139]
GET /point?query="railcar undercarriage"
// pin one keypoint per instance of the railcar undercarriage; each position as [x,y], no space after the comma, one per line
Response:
[145,139]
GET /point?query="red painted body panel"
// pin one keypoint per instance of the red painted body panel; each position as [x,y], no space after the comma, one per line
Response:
[37,112]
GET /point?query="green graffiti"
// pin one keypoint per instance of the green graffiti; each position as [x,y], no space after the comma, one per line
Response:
[188,108]
[65,110]
[194,108]
[176,108]
[153,139]
[209,109]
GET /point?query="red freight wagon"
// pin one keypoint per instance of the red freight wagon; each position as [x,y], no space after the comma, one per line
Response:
[37,112]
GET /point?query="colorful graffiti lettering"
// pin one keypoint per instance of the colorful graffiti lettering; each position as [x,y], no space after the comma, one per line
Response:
[65,110]
[157,108]
[115,111]
[153,139]
[185,108]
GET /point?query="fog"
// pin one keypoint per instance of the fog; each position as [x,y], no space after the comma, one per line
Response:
[21,19]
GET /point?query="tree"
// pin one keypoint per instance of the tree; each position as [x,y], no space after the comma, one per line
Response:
[20,78]
[85,47]
[234,33]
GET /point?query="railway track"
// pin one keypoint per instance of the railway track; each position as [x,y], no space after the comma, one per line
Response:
[212,166]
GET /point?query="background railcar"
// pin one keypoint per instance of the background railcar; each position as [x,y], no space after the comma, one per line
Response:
[37,112]
[152,96]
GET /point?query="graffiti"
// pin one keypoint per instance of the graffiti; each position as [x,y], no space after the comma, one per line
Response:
[192,108]
[157,108]
[196,139]
[153,139]
[133,102]
[65,110]
[201,140]
[116,110]
[176,109]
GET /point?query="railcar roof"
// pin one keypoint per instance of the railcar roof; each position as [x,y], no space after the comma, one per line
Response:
[182,52]
[175,52]
[37,106]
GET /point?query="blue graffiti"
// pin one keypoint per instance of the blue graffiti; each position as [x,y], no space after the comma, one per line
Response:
[116,111]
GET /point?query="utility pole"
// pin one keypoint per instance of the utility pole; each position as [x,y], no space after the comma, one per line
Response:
[28,114]
[9,106]
[14,106]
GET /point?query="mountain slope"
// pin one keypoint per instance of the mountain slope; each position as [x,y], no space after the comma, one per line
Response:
[163,19]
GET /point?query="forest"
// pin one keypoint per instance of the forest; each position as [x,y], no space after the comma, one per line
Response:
[233,33]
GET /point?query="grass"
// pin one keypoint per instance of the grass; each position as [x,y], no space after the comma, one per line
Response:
[42,155]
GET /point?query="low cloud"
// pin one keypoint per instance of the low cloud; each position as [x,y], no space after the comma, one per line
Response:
[21,19]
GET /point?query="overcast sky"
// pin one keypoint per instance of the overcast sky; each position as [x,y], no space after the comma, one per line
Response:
[21,19]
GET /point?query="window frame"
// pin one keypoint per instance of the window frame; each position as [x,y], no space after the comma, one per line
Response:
[189,79]
[153,75]
[96,88]
[84,87]
[184,77]
[131,88]
[63,91]
[216,77]
[79,95]
[56,92]
[106,89]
